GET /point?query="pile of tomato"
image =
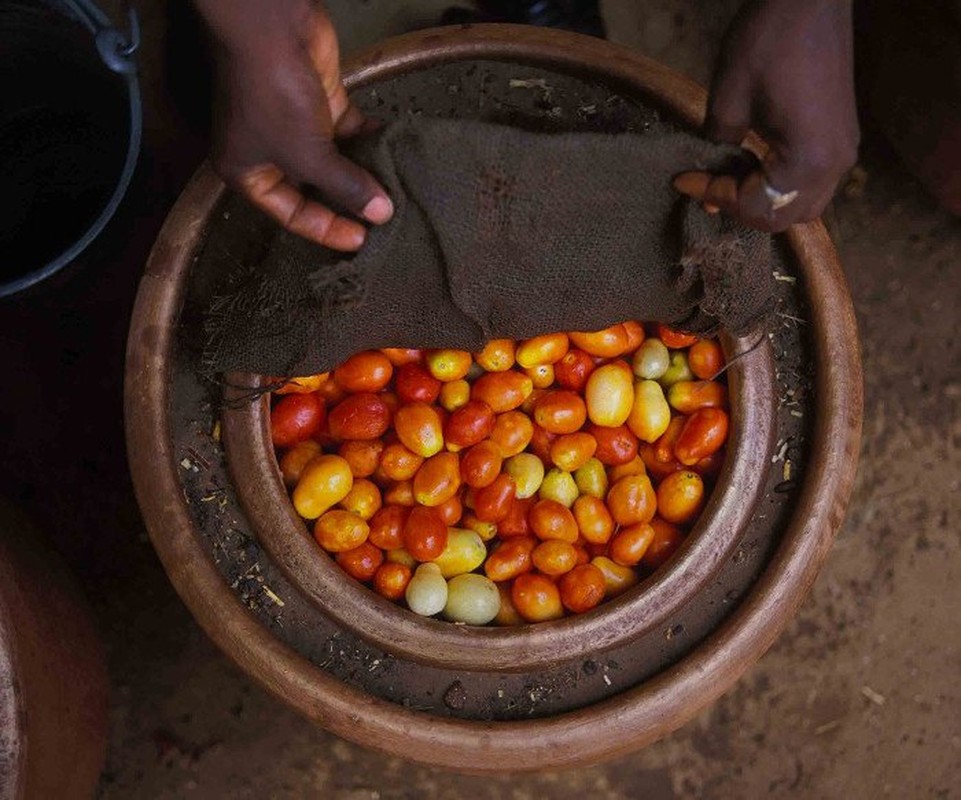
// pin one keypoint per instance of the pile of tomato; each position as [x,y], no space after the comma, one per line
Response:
[517,484]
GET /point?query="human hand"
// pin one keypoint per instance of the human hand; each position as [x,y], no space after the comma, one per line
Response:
[786,70]
[281,109]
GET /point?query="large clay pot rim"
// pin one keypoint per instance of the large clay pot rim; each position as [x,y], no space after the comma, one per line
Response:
[630,720]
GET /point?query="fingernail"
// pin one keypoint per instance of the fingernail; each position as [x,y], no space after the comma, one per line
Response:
[710,208]
[378,210]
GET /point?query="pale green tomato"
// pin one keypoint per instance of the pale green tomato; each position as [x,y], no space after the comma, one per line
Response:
[560,486]
[678,371]
[527,470]
[651,359]
[592,479]
[472,598]
[427,591]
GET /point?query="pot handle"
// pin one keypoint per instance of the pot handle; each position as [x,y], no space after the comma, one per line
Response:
[116,48]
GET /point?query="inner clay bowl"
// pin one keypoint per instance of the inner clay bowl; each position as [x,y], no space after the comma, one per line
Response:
[256,476]
[629,716]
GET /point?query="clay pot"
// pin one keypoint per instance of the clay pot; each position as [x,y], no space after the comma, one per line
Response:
[621,720]
[53,678]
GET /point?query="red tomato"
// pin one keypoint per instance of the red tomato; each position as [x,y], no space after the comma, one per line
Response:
[541,443]
[667,538]
[703,434]
[573,370]
[391,580]
[481,464]
[469,424]
[367,371]
[414,384]
[493,502]
[631,543]
[398,463]
[673,338]
[615,446]
[515,523]
[362,562]
[425,534]
[398,356]
[359,416]
[552,520]
[387,527]
[295,418]
[509,559]
[705,358]
[582,588]
[512,432]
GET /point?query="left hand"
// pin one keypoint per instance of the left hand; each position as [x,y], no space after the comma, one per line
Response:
[786,70]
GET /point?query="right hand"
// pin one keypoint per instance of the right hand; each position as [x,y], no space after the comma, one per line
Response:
[282,107]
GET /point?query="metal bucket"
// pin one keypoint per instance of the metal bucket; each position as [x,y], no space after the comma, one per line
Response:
[70,129]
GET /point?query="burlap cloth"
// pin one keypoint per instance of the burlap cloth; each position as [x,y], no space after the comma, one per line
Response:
[501,232]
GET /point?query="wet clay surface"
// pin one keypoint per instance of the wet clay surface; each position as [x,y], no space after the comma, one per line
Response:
[858,698]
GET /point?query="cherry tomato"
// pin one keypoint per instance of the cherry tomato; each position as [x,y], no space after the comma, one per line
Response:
[414,384]
[512,432]
[509,559]
[594,521]
[362,455]
[674,338]
[391,580]
[481,464]
[552,520]
[324,481]
[547,349]
[359,416]
[606,343]
[541,375]
[448,365]
[502,391]
[705,358]
[340,530]
[632,499]
[560,411]
[667,538]
[362,562]
[536,598]
[680,497]
[295,418]
[630,544]
[387,527]
[554,557]
[425,534]
[609,394]
[614,445]
[572,451]
[398,463]
[469,424]
[497,355]
[582,588]
[294,460]
[398,356]
[703,434]
[420,429]
[438,479]
[454,395]
[573,370]
[689,396]
[493,502]
[367,371]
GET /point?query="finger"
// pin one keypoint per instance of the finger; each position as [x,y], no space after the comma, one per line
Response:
[342,182]
[353,122]
[716,192]
[729,106]
[268,189]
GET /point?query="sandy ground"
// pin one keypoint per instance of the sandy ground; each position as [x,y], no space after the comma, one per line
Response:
[860,696]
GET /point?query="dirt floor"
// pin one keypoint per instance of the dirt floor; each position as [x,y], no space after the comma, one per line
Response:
[859,698]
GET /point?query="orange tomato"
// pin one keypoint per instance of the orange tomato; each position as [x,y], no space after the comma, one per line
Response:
[362,562]
[635,335]
[705,358]
[582,588]
[295,418]
[338,530]
[454,395]
[536,598]
[540,443]
[606,343]
[387,527]
[617,579]
[674,338]
[425,534]
[633,467]
[541,375]
[324,481]
[546,349]
[363,499]
[554,557]
[451,510]
[367,371]
[630,544]
[391,580]
[667,538]
[509,559]
[560,411]
[448,365]
[572,450]
[359,416]
[594,520]
[469,424]
[507,615]
[689,396]
[400,494]
[502,391]
[398,463]
[680,497]
[497,355]
[703,434]
[294,460]
[362,455]
[512,432]
[481,464]
[552,520]
[303,385]
[515,522]
[398,356]
[632,499]
[438,479]
[420,429]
